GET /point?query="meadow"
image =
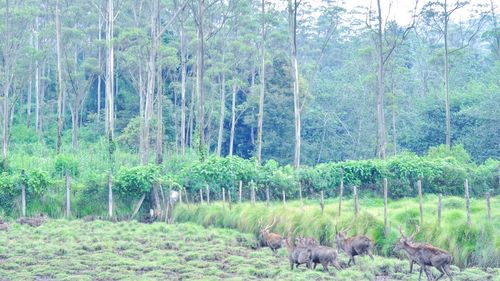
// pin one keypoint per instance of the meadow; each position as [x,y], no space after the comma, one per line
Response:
[103,250]
[474,245]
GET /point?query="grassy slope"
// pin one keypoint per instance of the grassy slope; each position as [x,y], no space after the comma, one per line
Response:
[478,244]
[77,250]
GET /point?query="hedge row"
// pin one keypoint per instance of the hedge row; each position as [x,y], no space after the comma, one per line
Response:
[441,171]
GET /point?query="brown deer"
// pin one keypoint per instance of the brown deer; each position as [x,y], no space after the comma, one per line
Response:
[353,246]
[33,222]
[4,226]
[425,255]
[298,255]
[272,240]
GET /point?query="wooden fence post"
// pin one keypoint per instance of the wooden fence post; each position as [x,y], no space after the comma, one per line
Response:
[68,198]
[201,196]
[208,194]
[240,192]
[488,206]
[341,190]
[223,195]
[386,227]
[23,194]
[267,195]
[284,196]
[419,186]
[322,202]
[356,204]
[180,196]
[229,197]
[252,192]
[467,200]
[440,207]
[300,194]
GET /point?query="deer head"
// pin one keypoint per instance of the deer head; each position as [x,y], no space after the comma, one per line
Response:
[404,240]
[264,231]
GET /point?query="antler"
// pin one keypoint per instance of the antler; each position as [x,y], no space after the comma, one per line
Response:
[347,229]
[417,230]
[270,225]
[401,231]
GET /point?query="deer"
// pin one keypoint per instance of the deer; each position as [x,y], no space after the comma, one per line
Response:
[353,246]
[298,255]
[305,241]
[4,226]
[33,222]
[425,255]
[272,240]
[324,255]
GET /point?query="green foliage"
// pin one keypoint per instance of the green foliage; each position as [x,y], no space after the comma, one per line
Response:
[37,182]
[137,180]
[66,163]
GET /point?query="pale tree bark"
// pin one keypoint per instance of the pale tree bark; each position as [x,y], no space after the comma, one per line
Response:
[109,93]
[37,78]
[183,88]
[30,88]
[262,83]
[233,117]
[200,72]
[222,81]
[59,77]
[381,133]
[99,36]
[446,79]
[496,28]
[292,22]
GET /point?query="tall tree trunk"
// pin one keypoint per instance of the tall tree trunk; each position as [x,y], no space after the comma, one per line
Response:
[381,147]
[30,88]
[110,100]
[222,109]
[59,78]
[191,116]
[37,79]
[446,82]
[293,6]
[394,132]
[183,88]
[98,119]
[233,118]
[200,71]
[262,84]
[496,28]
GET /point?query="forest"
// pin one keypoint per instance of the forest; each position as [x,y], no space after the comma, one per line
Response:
[220,124]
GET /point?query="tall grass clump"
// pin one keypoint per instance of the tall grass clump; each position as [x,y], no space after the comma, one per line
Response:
[474,245]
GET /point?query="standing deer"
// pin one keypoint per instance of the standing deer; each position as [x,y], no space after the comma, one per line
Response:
[272,240]
[425,255]
[325,256]
[353,246]
[298,255]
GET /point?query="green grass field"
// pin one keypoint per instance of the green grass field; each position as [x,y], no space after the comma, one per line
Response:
[102,250]
[478,244]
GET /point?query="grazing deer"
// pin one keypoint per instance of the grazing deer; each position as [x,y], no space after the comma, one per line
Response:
[305,241]
[325,256]
[353,246]
[4,226]
[272,240]
[298,255]
[33,222]
[425,255]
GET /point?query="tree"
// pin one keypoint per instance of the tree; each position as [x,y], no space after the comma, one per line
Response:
[262,76]
[292,22]
[59,77]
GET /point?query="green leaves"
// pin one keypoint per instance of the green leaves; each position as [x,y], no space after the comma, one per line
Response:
[137,180]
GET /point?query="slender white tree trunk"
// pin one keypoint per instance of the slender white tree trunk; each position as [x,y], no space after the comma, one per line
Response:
[59,77]
[262,84]
[233,118]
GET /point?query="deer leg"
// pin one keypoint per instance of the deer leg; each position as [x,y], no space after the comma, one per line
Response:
[440,268]
[325,267]
[420,274]
[291,265]
[336,265]
[447,270]
[315,264]
[370,254]
[428,273]
[411,266]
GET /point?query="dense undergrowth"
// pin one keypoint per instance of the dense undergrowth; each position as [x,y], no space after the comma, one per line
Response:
[478,244]
[42,172]
[101,250]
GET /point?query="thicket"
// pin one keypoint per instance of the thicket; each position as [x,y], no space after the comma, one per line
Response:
[441,171]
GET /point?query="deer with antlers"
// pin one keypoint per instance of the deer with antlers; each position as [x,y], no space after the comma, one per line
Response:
[425,255]
[272,240]
[354,246]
